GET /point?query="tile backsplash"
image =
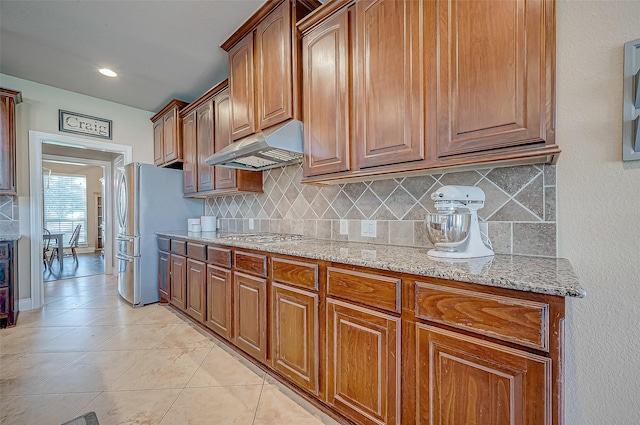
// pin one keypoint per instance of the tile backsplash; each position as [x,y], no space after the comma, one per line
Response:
[519,209]
[9,215]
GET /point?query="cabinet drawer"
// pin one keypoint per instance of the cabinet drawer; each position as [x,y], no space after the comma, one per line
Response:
[295,273]
[164,244]
[370,289]
[255,264]
[5,252]
[509,319]
[197,251]
[179,247]
[219,256]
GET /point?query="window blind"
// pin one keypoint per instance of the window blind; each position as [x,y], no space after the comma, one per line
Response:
[65,205]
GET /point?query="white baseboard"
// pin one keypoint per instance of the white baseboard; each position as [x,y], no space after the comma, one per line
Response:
[25,304]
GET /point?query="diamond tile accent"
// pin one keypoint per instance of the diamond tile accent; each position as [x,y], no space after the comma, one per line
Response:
[524,196]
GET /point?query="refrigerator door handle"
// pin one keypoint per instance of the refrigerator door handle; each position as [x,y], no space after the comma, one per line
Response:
[124,238]
[124,258]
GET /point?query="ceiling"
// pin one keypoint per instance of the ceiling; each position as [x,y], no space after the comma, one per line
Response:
[160,49]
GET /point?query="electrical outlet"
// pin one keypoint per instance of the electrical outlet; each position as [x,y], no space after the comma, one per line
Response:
[368,254]
[344,227]
[368,228]
[484,227]
[251,224]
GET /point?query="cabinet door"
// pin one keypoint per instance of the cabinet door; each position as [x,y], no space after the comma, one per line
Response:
[294,335]
[205,146]
[196,289]
[250,314]
[189,167]
[219,300]
[273,62]
[179,281]
[325,93]
[164,275]
[7,146]
[241,86]
[225,177]
[158,144]
[464,380]
[170,138]
[363,363]
[491,79]
[390,81]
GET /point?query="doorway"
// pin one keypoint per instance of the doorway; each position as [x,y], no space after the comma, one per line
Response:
[109,155]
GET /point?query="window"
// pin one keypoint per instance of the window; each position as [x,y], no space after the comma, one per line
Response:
[65,205]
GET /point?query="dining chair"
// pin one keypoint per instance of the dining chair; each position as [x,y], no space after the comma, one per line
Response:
[46,247]
[73,244]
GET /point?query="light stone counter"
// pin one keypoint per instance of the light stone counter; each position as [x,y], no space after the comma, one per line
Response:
[553,276]
[9,237]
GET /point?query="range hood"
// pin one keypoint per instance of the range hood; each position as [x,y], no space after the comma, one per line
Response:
[278,146]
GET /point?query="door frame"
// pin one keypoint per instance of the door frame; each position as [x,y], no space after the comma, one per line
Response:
[36,140]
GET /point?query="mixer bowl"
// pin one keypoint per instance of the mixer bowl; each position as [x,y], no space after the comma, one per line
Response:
[447,231]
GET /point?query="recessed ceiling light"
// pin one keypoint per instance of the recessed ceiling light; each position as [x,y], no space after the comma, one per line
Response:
[107,72]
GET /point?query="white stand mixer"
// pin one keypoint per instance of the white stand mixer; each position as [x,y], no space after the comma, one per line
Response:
[455,231]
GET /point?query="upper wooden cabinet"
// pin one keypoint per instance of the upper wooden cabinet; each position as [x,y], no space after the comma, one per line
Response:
[167,135]
[8,101]
[495,79]
[263,66]
[429,85]
[206,125]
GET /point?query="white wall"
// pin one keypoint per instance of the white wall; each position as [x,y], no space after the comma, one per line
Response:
[599,213]
[39,112]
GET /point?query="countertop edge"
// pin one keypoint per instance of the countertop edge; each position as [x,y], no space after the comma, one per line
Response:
[571,288]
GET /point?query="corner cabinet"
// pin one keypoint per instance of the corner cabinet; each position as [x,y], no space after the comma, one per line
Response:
[264,50]
[8,101]
[205,130]
[392,87]
[167,135]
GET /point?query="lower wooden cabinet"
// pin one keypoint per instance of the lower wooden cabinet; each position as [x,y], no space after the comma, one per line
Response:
[294,335]
[179,281]
[363,363]
[164,276]
[219,301]
[466,380]
[196,289]
[250,315]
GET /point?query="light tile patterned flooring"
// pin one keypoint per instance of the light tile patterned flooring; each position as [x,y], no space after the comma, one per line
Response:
[87,350]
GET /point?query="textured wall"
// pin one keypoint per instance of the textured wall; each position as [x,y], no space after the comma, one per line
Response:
[598,213]
[520,207]
[9,215]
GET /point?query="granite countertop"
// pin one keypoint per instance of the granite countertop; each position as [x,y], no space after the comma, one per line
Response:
[9,237]
[553,276]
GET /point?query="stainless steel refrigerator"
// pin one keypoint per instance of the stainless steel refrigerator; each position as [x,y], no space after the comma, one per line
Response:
[148,199]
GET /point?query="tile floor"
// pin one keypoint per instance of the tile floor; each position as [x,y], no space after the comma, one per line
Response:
[86,350]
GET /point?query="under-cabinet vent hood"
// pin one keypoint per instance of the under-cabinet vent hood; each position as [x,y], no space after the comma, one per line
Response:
[274,147]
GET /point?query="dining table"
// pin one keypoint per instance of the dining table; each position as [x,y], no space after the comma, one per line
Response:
[59,247]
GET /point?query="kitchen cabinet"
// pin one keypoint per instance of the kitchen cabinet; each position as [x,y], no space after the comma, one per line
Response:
[295,336]
[205,130]
[363,363]
[495,75]
[164,269]
[167,135]
[377,346]
[429,85]
[462,379]
[8,284]
[264,50]
[189,143]
[250,315]
[326,53]
[8,101]
[219,301]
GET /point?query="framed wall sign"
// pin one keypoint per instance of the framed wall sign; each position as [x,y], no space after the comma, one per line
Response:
[72,122]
